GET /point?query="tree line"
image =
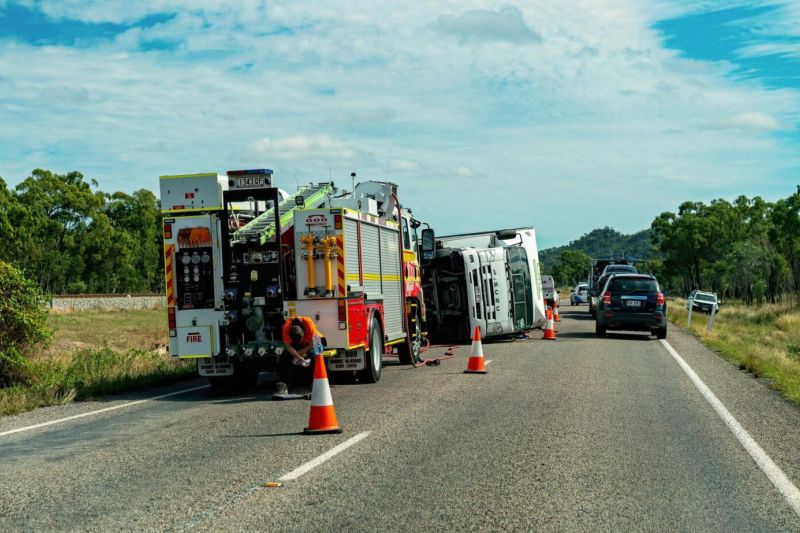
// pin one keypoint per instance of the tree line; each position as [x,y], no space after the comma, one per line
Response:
[748,249]
[69,237]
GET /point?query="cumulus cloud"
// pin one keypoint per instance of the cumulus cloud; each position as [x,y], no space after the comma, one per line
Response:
[556,96]
[300,147]
[464,171]
[402,165]
[505,24]
[753,120]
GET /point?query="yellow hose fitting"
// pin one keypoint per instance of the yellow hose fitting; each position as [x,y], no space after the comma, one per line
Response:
[307,241]
[328,245]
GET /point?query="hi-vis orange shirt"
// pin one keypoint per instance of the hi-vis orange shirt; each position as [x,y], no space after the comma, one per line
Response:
[309,330]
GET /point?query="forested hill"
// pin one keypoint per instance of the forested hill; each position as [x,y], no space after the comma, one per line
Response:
[602,242]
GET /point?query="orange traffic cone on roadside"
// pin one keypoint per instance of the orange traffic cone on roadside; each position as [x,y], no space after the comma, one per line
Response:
[322,417]
[475,364]
[555,314]
[550,327]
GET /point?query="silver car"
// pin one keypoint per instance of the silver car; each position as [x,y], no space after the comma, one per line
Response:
[580,294]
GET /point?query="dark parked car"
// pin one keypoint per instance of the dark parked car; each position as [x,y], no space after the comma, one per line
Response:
[608,271]
[632,302]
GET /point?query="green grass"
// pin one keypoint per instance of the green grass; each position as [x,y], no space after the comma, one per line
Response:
[762,339]
[95,353]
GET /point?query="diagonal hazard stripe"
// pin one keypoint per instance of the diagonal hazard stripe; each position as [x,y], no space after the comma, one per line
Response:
[169,252]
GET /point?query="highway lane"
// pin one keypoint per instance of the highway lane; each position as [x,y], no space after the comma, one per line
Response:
[573,434]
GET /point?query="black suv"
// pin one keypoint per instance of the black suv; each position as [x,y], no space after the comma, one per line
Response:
[608,271]
[631,302]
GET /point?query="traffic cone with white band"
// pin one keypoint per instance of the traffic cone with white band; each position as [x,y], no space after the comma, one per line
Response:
[549,328]
[322,417]
[475,364]
[555,314]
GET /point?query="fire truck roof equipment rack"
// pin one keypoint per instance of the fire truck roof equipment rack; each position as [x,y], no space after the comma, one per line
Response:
[263,226]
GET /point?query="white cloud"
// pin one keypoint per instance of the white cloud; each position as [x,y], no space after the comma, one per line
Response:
[300,147]
[505,24]
[403,165]
[580,99]
[753,120]
[464,171]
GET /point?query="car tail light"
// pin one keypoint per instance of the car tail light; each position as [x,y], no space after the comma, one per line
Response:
[171,317]
[607,297]
[660,298]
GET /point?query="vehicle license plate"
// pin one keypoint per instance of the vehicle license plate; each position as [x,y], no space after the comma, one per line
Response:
[215,369]
[247,182]
[633,303]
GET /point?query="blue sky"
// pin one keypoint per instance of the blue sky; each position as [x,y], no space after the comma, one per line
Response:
[563,115]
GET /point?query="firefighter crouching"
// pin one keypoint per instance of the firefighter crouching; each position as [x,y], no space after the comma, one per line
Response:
[298,338]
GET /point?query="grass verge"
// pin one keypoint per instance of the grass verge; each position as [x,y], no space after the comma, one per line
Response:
[762,339]
[95,353]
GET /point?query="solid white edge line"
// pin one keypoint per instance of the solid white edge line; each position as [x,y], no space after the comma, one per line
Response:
[764,462]
[98,411]
[299,471]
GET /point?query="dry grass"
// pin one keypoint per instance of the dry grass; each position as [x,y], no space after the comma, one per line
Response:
[95,353]
[119,330]
[762,339]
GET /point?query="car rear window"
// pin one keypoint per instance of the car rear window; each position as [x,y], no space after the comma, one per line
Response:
[621,268]
[630,285]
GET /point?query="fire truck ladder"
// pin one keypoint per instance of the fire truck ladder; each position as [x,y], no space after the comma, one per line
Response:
[263,226]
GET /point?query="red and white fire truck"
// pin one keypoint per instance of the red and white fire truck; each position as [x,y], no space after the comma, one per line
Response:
[358,278]
[241,256]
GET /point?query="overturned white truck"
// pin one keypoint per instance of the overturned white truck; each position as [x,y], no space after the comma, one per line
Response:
[490,280]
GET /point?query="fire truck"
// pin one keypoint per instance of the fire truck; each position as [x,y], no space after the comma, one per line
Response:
[358,277]
[236,265]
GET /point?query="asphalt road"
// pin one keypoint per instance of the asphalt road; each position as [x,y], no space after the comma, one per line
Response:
[580,433]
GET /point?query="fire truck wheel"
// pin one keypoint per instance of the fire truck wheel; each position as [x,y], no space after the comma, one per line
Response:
[374,357]
[408,352]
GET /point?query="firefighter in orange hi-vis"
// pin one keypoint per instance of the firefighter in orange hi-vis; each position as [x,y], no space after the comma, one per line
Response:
[298,337]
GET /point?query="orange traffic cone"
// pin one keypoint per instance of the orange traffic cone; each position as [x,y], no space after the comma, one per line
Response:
[475,364]
[555,314]
[322,417]
[550,327]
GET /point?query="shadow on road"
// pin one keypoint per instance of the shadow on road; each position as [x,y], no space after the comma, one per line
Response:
[577,315]
[577,335]
[629,335]
[264,435]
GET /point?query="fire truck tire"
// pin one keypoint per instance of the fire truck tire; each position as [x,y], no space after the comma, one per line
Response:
[374,357]
[408,352]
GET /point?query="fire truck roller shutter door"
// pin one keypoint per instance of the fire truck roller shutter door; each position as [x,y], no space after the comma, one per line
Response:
[393,307]
[351,252]
[371,260]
